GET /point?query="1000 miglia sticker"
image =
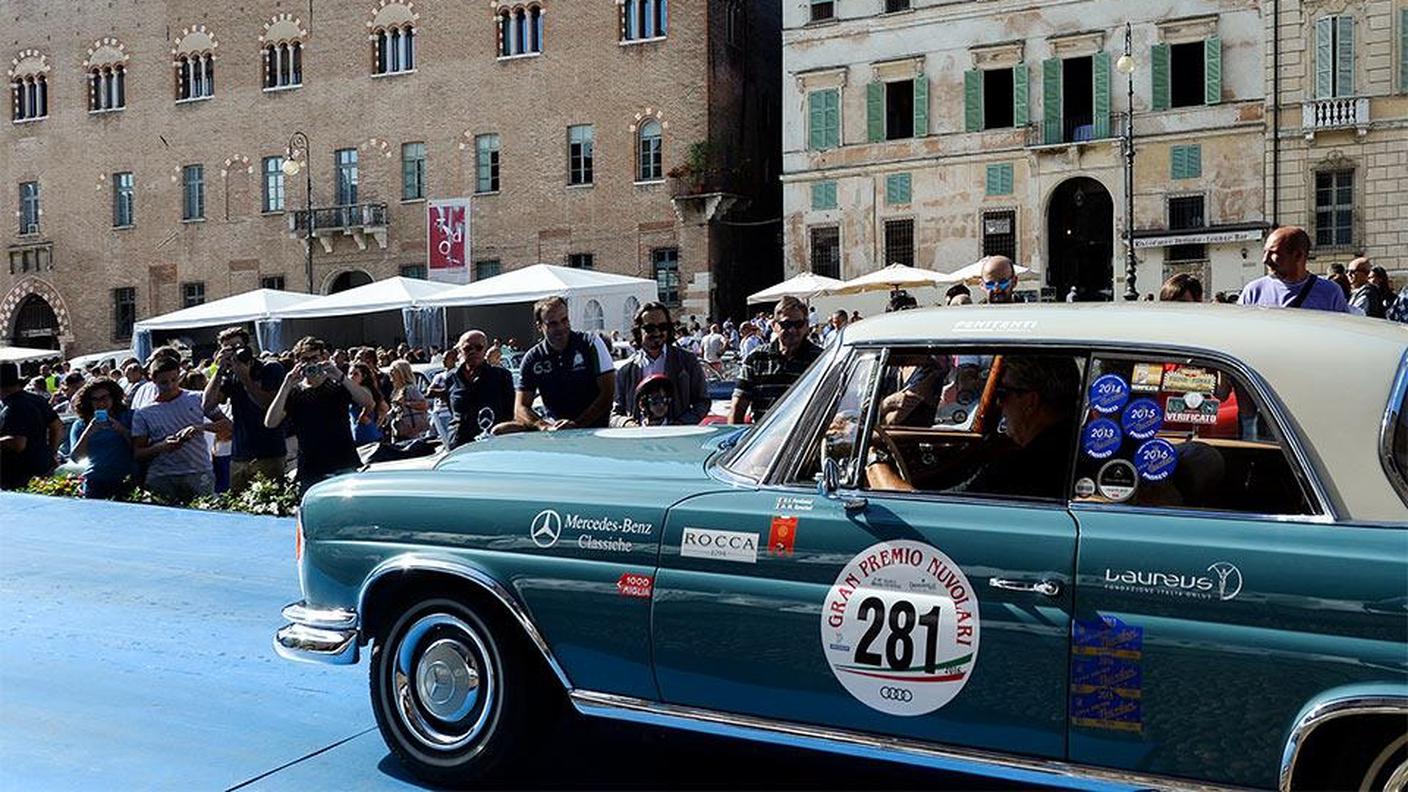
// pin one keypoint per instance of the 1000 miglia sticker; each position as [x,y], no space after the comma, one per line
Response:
[900,628]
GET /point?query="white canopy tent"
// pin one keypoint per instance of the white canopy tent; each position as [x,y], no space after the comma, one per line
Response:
[895,276]
[803,287]
[17,355]
[378,313]
[262,307]
[596,301]
[974,272]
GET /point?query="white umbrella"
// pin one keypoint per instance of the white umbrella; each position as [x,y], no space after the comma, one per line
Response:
[17,354]
[974,272]
[803,287]
[895,276]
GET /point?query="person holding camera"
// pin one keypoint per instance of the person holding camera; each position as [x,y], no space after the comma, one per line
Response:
[248,385]
[102,435]
[316,397]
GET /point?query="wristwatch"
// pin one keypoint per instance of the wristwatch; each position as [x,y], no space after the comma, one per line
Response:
[879,456]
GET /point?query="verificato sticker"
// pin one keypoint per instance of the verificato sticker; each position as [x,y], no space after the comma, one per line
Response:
[900,628]
[720,545]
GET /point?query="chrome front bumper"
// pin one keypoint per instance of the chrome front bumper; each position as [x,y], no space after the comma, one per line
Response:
[317,636]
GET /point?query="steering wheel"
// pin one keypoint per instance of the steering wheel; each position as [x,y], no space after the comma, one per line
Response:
[901,466]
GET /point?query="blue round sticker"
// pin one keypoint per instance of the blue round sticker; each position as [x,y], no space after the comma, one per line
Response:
[1101,438]
[1155,460]
[1109,393]
[1143,418]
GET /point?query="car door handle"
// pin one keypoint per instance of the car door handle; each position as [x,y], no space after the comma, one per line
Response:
[1049,588]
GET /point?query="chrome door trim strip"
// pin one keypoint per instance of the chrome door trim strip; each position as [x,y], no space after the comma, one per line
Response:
[1022,769]
[485,582]
[1397,476]
[1328,711]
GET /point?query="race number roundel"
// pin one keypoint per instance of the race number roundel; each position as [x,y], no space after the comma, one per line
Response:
[900,628]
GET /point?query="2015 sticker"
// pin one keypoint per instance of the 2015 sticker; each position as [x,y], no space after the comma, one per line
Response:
[900,628]
[1109,393]
[1101,438]
[1142,419]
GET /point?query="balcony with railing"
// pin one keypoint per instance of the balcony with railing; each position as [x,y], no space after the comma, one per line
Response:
[1074,130]
[1343,112]
[329,222]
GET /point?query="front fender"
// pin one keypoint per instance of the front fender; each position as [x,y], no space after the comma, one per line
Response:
[1368,698]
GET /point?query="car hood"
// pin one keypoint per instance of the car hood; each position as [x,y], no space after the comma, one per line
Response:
[667,452]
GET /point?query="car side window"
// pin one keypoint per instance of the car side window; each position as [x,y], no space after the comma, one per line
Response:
[981,422]
[760,447]
[839,435]
[1174,432]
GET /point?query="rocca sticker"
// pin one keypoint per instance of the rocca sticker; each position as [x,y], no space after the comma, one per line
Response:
[900,628]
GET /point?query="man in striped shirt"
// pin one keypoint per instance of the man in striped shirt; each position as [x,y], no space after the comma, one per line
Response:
[770,370]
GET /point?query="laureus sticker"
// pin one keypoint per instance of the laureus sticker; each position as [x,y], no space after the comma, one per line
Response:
[900,628]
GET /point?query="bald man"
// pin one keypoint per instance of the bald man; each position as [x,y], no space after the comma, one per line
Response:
[1288,284]
[480,394]
[999,279]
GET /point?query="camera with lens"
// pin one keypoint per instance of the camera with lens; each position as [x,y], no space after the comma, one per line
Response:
[244,355]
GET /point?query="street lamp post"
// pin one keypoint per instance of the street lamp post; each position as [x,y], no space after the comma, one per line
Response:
[1126,65]
[291,167]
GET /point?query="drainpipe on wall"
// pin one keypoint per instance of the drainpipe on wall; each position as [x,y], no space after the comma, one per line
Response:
[1276,113]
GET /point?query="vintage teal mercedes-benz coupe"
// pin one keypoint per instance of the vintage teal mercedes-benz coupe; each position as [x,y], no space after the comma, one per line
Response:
[1094,546]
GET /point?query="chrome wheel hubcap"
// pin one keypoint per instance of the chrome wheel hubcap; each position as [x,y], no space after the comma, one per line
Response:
[443,682]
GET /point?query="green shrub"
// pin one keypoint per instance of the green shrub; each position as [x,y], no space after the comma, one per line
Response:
[62,486]
[262,496]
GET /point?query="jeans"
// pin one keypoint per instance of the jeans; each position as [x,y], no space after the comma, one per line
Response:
[182,488]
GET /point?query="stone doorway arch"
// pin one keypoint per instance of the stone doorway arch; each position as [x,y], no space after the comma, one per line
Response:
[34,315]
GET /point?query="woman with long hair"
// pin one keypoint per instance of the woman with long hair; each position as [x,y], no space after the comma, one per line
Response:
[103,435]
[411,410]
[366,423]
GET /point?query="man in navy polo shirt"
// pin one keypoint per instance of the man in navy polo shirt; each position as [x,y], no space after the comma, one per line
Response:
[573,371]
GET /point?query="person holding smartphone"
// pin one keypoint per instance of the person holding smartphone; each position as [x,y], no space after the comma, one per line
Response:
[316,397]
[102,436]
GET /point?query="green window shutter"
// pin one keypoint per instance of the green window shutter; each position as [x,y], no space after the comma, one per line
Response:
[816,118]
[973,100]
[1344,57]
[1101,64]
[875,111]
[1403,51]
[897,188]
[1021,115]
[1159,55]
[1324,57]
[832,118]
[1195,162]
[1187,162]
[1212,70]
[1000,179]
[921,105]
[824,195]
[1051,99]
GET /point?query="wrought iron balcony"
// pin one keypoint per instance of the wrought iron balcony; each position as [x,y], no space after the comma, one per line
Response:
[1073,130]
[1347,112]
[329,222]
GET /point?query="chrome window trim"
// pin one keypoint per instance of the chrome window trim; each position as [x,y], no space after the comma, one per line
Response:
[1211,514]
[1327,711]
[825,360]
[416,563]
[1023,769]
[1397,476]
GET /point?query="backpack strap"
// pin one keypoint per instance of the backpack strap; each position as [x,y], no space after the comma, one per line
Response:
[1304,292]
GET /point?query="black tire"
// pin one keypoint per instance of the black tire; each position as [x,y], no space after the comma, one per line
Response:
[1390,765]
[451,697]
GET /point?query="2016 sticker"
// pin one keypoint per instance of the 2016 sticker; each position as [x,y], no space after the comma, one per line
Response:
[1155,460]
[900,628]
[1101,438]
[1109,393]
[1142,419]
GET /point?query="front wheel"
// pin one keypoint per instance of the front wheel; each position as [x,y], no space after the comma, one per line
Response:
[449,698]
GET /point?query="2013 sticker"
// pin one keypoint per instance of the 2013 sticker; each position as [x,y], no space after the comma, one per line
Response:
[900,628]
[1155,460]
[1101,438]
[1142,419]
[1109,393]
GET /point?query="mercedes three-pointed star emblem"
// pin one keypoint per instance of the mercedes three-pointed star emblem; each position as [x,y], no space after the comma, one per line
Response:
[546,528]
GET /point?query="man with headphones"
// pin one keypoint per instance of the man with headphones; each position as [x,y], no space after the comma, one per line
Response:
[657,353]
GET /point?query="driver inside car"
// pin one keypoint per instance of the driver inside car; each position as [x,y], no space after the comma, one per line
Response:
[1039,401]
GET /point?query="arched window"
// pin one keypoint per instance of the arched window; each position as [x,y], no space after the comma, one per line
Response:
[520,23]
[644,19]
[194,64]
[408,48]
[535,29]
[520,31]
[632,307]
[651,167]
[108,88]
[394,49]
[30,98]
[283,53]
[505,33]
[595,317]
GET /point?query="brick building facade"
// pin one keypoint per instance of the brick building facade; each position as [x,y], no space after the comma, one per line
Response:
[142,164]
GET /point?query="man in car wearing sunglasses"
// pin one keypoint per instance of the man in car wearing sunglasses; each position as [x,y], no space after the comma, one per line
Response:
[770,370]
[1000,280]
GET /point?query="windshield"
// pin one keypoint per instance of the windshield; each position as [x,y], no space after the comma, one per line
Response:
[760,445]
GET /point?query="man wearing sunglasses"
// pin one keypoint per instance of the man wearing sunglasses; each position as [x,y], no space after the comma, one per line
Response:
[770,370]
[1000,280]
[657,354]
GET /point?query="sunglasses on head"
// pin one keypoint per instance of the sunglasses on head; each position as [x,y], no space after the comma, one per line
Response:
[791,324]
[1002,285]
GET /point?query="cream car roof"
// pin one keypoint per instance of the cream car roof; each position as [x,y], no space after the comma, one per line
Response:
[1333,372]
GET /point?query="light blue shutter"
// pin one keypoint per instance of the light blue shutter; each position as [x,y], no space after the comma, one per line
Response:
[816,114]
[1212,70]
[921,105]
[999,181]
[1187,162]
[875,111]
[1051,99]
[1344,57]
[1021,112]
[1159,56]
[832,118]
[1403,51]
[1101,64]
[897,189]
[973,100]
[824,195]
[1324,57]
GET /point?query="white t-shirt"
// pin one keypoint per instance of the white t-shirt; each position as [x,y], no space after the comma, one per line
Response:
[714,347]
[648,366]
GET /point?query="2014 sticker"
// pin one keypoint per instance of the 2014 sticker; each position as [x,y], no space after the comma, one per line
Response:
[1142,419]
[1155,460]
[900,628]
[1109,393]
[1101,438]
